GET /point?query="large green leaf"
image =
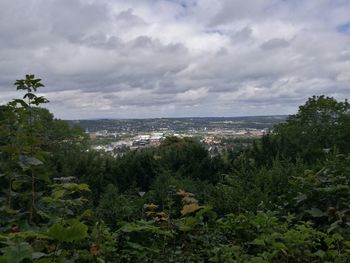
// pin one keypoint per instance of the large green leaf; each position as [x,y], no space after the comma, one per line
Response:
[315,212]
[16,252]
[74,232]
[26,162]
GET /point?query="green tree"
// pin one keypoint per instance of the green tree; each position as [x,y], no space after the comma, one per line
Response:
[317,127]
[23,146]
[320,125]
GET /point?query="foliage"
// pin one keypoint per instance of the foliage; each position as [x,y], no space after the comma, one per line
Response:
[114,206]
[285,199]
[320,126]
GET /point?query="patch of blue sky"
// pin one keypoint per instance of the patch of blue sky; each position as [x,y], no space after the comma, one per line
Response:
[186,5]
[183,3]
[344,28]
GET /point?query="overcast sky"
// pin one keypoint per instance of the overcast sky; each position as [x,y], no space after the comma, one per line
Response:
[167,58]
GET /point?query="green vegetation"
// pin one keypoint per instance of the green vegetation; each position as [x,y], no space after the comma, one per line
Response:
[285,199]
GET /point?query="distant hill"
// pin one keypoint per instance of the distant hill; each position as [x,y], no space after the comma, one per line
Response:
[179,124]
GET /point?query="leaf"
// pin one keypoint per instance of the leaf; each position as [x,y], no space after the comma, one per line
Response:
[16,184]
[38,85]
[315,212]
[39,100]
[334,226]
[84,187]
[74,232]
[58,194]
[258,242]
[25,162]
[16,252]
[36,255]
[33,161]
[141,248]
[29,95]
[188,209]
[21,102]
[150,206]
[189,200]
[73,187]
[183,193]
[320,253]
[300,197]
[280,246]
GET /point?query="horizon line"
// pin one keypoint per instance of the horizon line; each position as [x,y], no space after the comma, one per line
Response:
[193,117]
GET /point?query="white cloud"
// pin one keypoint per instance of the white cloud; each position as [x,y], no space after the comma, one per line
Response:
[192,95]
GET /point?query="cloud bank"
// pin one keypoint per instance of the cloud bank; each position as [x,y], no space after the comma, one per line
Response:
[166,58]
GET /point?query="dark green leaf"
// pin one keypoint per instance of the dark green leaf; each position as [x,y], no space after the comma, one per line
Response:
[17,252]
[74,232]
[315,212]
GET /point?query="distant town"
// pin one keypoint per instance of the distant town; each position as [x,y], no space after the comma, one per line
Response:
[118,136]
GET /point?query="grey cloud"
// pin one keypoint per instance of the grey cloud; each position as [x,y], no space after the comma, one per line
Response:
[144,58]
[232,10]
[71,18]
[127,18]
[101,41]
[275,43]
[242,35]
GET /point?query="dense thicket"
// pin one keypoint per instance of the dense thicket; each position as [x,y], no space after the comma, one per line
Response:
[285,199]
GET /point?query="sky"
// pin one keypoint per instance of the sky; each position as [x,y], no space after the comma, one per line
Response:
[176,58]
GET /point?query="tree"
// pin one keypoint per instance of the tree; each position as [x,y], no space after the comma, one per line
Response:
[23,139]
[321,125]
